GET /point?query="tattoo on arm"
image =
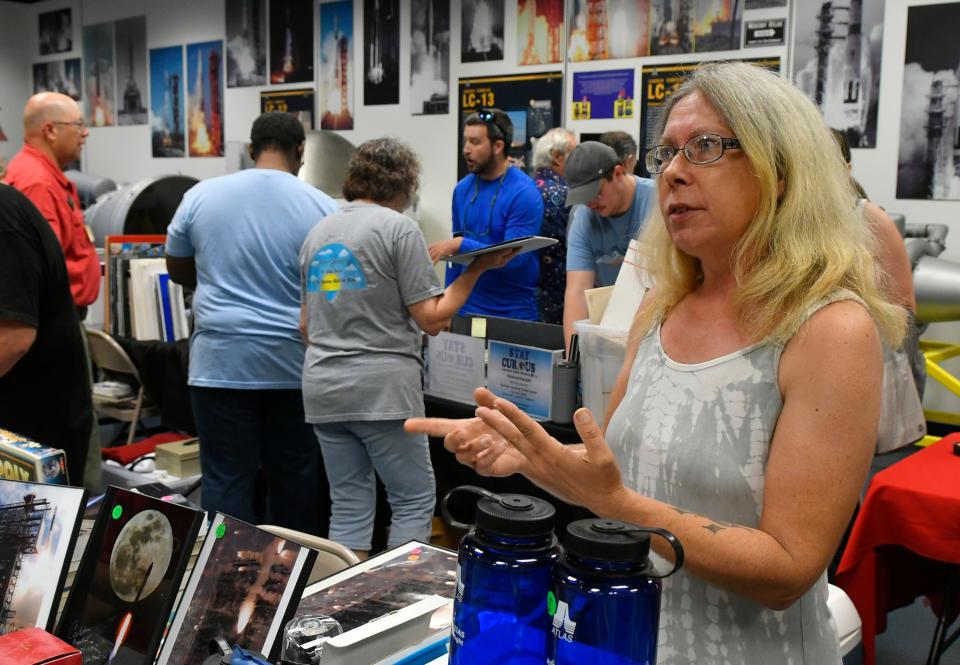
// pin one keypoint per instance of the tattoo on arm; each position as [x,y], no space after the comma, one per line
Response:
[714,526]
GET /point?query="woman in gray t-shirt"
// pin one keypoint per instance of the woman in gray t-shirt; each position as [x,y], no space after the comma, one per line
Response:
[368,288]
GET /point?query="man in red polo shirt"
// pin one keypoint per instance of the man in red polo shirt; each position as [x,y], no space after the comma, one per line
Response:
[53,135]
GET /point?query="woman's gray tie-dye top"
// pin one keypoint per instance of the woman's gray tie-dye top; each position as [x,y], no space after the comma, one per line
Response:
[698,437]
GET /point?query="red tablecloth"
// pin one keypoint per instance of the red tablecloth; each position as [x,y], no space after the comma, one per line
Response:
[907,533]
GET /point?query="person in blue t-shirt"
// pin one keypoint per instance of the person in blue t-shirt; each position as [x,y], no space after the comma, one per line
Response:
[237,239]
[611,206]
[492,204]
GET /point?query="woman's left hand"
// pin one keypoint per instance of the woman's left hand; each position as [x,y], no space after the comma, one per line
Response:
[586,475]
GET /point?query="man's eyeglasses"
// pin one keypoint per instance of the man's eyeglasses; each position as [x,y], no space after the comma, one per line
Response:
[491,119]
[79,124]
[701,149]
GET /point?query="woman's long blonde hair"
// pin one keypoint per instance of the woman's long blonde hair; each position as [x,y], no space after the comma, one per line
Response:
[804,244]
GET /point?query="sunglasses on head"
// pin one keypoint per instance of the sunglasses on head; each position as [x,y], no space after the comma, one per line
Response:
[491,119]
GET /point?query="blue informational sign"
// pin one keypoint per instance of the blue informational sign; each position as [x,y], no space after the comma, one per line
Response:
[603,94]
[523,375]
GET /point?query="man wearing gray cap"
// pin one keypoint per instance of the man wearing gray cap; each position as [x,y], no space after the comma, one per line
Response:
[611,208]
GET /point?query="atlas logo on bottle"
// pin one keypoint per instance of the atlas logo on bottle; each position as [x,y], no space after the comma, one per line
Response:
[563,625]
[460,587]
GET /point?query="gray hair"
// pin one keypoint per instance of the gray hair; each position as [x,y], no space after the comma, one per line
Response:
[557,141]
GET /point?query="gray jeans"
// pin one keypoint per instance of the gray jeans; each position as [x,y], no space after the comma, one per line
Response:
[352,451]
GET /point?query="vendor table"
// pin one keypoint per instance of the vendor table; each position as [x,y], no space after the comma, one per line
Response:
[906,543]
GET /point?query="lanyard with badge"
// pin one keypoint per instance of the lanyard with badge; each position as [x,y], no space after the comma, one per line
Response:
[478,234]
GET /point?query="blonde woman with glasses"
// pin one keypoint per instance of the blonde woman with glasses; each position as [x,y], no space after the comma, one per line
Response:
[745,415]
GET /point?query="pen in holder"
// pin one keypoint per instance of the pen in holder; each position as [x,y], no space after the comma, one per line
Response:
[564,403]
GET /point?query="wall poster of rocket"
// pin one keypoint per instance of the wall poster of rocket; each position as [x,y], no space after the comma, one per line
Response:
[131,40]
[128,579]
[291,41]
[98,74]
[609,29]
[381,52]
[836,62]
[928,164]
[429,57]
[63,76]
[481,30]
[205,99]
[336,65]
[539,31]
[56,31]
[695,26]
[166,101]
[246,42]
[38,529]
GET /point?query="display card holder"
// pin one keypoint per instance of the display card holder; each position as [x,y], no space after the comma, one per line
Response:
[454,366]
[524,375]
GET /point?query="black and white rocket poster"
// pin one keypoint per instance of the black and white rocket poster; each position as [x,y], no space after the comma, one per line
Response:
[429,57]
[246,22]
[381,52]
[928,163]
[481,30]
[55,31]
[291,41]
[63,76]
[131,50]
[836,62]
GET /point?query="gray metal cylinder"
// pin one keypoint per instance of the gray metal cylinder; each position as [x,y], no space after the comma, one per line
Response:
[936,283]
[145,207]
[325,158]
[90,187]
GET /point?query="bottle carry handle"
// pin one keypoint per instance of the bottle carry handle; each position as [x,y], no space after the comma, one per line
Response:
[674,543]
[473,489]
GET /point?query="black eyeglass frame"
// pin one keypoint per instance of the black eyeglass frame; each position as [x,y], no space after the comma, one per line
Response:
[726,143]
[79,124]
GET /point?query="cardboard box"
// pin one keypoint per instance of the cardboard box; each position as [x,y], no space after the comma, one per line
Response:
[179,458]
[33,646]
[23,459]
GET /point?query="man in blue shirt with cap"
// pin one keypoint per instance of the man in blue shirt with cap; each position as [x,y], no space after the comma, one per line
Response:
[612,206]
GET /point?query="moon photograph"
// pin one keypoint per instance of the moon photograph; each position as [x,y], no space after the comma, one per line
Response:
[141,556]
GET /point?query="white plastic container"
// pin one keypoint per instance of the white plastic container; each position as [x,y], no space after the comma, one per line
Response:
[601,356]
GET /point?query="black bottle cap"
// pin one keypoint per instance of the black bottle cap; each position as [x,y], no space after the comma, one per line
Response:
[515,515]
[608,540]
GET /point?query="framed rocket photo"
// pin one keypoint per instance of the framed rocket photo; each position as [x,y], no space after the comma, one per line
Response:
[38,529]
[205,99]
[244,587]
[128,579]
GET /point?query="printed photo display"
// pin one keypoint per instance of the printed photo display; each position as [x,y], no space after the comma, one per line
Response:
[128,580]
[38,529]
[244,587]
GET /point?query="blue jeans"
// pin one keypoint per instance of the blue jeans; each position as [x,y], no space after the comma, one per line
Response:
[244,431]
[352,451]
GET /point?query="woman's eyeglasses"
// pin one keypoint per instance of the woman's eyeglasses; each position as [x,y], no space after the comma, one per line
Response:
[702,149]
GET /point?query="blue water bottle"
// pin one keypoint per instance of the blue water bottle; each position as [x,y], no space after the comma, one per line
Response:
[605,607]
[504,573]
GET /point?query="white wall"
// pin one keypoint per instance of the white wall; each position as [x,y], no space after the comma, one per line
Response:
[15,75]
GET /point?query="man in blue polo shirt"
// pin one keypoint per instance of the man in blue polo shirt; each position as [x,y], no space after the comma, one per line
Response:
[492,204]
[612,206]
[237,238]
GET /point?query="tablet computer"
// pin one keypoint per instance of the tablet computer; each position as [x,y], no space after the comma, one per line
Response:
[526,244]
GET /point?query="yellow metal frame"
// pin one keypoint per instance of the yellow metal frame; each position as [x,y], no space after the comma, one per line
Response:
[935,353]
